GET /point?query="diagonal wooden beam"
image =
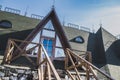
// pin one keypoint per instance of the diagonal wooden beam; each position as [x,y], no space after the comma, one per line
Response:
[8,56]
[31,61]
[70,75]
[15,57]
[49,71]
[92,71]
[31,48]
[50,63]
[68,53]
[39,54]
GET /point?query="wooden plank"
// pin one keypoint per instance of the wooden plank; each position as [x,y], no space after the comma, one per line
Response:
[8,56]
[87,73]
[6,51]
[15,57]
[49,72]
[90,64]
[29,60]
[92,71]
[21,50]
[23,41]
[51,65]
[45,73]
[74,65]
[66,61]
[42,62]
[31,49]
[70,75]
[39,54]
[39,74]
[89,56]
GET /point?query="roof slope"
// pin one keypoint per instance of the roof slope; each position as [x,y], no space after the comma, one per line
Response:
[19,23]
[108,38]
[72,33]
[22,24]
[21,27]
[57,26]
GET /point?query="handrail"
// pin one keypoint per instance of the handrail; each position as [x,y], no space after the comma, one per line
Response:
[68,51]
[44,65]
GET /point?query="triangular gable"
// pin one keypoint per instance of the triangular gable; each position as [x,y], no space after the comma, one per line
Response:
[57,26]
[58,30]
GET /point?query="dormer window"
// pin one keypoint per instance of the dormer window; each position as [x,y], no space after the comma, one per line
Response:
[78,39]
[5,24]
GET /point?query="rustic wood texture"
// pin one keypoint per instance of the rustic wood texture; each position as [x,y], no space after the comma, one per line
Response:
[43,62]
[90,71]
[75,66]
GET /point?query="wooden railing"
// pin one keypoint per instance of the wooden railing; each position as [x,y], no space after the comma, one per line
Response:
[75,66]
[46,70]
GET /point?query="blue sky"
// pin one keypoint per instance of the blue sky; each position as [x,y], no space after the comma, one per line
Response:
[88,13]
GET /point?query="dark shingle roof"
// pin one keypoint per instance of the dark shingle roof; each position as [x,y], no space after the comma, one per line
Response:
[72,33]
[22,24]
[19,23]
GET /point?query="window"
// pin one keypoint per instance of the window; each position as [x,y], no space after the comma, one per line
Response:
[5,24]
[48,45]
[49,25]
[78,39]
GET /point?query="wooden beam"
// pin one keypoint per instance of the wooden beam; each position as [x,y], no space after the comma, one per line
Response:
[92,71]
[74,65]
[49,71]
[51,65]
[6,51]
[70,75]
[29,60]
[39,54]
[90,64]
[87,73]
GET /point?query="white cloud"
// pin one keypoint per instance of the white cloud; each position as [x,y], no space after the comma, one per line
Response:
[110,18]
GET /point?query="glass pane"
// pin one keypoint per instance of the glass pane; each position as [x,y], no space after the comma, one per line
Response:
[45,41]
[59,52]
[45,47]
[49,25]
[49,53]
[50,48]
[48,44]
[48,33]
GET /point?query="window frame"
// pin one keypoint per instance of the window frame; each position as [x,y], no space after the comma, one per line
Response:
[5,21]
[53,45]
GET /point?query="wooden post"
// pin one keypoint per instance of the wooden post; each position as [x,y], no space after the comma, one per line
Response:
[89,56]
[49,72]
[39,54]
[5,60]
[39,74]
[74,66]
[51,65]
[87,72]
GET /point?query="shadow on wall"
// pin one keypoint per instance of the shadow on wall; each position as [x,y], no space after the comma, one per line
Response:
[113,53]
[14,35]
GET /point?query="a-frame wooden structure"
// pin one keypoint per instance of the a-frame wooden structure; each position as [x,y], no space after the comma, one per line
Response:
[15,51]
[57,26]
[58,29]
